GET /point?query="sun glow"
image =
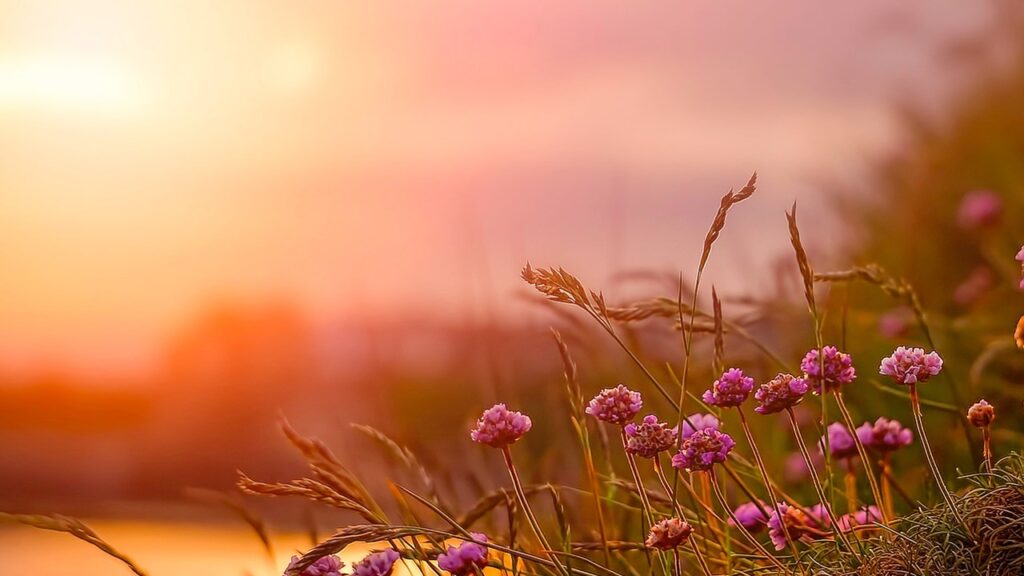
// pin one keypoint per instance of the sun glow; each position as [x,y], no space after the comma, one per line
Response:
[66,83]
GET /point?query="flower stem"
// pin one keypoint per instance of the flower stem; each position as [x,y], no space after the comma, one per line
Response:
[742,530]
[521,495]
[987,436]
[706,528]
[700,558]
[850,479]
[876,494]
[840,537]
[915,404]
[886,485]
[768,485]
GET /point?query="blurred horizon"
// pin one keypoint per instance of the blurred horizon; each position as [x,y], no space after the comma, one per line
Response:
[360,164]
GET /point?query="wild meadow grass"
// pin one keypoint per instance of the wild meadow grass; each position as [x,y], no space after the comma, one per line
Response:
[686,490]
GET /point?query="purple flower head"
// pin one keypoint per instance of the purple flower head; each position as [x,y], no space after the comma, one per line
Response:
[697,421]
[668,534]
[324,566]
[617,405]
[779,393]
[1020,258]
[795,468]
[468,558]
[838,368]
[376,564]
[979,209]
[499,427]
[862,517]
[817,516]
[649,437]
[840,442]
[797,523]
[981,414]
[884,435]
[750,516]
[911,365]
[731,389]
[974,287]
[895,323]
[702,449]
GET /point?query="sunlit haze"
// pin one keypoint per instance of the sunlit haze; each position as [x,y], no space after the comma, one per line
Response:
[376,159]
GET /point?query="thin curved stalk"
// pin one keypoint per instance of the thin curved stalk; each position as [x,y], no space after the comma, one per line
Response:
[742,530]
[919,422]
[700,558]
[521,495]
[876,494]
[987,450]
[641,491]
[833,521]
[768,485]
[679,510]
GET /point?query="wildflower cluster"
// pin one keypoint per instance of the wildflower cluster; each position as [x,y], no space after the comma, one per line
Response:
[650,437]
[730,390]
[668,534]
[498,427]
[834,371]
[782,392]
[617,405]
[884,435]
[911,365]
[467,558]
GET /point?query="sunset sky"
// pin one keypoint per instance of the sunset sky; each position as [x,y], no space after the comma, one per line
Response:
[372,158]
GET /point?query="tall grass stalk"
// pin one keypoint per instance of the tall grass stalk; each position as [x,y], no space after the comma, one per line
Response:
[807,273]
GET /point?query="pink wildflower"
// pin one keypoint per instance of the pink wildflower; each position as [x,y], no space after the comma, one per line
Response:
[783,391]
[376,564]
[668,534]
[862,517]
[911,365]
[840,442]
[731,389]
[498,427]
[324,566]
[978,209]
[839,369]
[649,437]
[468,558]
[697,421]
[750,516]
[884,435]
[703,449]
[617,405]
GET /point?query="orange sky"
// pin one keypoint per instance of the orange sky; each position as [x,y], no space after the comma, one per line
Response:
[367,157]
